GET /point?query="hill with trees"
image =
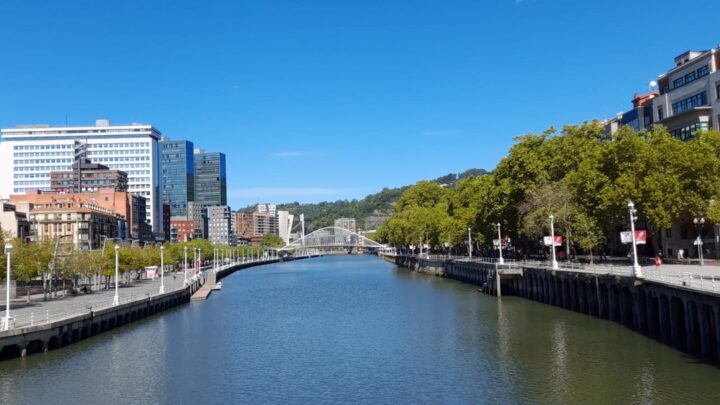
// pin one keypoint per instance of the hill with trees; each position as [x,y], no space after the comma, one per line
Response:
[369,212]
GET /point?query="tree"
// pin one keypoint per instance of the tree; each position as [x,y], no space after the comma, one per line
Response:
[587,233]
[30,260]
[423,194]
[272,241]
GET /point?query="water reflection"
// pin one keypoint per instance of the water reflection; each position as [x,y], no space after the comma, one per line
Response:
[559,370]
[355,329]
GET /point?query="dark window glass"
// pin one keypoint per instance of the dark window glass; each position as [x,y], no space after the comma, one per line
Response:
[703,71]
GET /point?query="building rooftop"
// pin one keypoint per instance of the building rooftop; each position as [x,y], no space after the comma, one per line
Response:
[101,128]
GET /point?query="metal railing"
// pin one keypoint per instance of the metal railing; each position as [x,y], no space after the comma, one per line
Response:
[686,279]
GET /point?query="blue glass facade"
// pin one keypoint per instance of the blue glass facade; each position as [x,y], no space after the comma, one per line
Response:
[210,179]
[177,171]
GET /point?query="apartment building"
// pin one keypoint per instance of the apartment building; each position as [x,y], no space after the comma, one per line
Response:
[29,154]
[87,177]
[129,207]
[218,224]
[689,94]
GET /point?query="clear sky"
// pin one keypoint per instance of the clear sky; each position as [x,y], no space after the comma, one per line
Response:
[326,99]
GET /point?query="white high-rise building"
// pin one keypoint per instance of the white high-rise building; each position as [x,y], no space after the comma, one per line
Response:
[267,209]
[29,153]
[285,223]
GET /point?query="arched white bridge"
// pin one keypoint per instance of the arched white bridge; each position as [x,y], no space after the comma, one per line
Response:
[333,238]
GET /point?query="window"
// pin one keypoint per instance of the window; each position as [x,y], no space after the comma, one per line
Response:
[689,131]
[689,103]
[690,77]
[717,90]
[678,82]
[703,71]
[661,113]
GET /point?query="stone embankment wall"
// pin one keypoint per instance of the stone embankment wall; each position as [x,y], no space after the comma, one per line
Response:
[48,336]
[684,318]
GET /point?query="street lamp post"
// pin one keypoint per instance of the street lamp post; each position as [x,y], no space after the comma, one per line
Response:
[116,299]
[469,243]
[447,247]
[636,266]
[162,269]
[699,223]
[7,320]
[500,258]
[552,243]
[185,281]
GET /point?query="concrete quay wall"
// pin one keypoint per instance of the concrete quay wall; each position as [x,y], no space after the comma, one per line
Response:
[20,342]
[23,341]
[684,318]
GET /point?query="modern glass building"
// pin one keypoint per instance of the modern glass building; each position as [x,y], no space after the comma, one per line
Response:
[177,172]
[210,179]
[210,186]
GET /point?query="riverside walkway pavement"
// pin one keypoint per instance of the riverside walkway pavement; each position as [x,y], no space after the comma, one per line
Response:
[691,276]
[38,311]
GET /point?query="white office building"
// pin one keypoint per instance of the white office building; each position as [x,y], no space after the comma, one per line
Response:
[29,153]
[285,223]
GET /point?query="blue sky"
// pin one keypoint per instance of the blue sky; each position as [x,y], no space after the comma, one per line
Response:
[320,100]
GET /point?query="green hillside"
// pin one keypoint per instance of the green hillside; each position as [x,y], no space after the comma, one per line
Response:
[370,212]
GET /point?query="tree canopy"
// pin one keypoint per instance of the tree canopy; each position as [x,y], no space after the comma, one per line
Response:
[575,175]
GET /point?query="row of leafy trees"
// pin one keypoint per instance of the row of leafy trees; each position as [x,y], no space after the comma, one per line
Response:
[584,181]
[31,260]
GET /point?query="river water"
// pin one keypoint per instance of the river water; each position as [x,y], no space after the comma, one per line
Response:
[357,329]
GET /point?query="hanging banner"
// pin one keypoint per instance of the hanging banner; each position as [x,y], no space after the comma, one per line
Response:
[640,237]
[547,240]
[505,242]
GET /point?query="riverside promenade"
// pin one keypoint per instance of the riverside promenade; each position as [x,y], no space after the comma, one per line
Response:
[692,276]
[46,325]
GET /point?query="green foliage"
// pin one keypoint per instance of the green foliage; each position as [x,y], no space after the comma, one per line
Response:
[583,181]
[369,212]
[30,260]
[272,241]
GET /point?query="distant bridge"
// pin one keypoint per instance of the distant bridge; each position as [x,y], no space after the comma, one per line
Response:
[333,238]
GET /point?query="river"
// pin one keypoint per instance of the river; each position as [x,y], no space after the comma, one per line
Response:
[357,329]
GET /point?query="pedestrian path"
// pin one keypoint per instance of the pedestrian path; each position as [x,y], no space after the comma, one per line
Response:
[38,311]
